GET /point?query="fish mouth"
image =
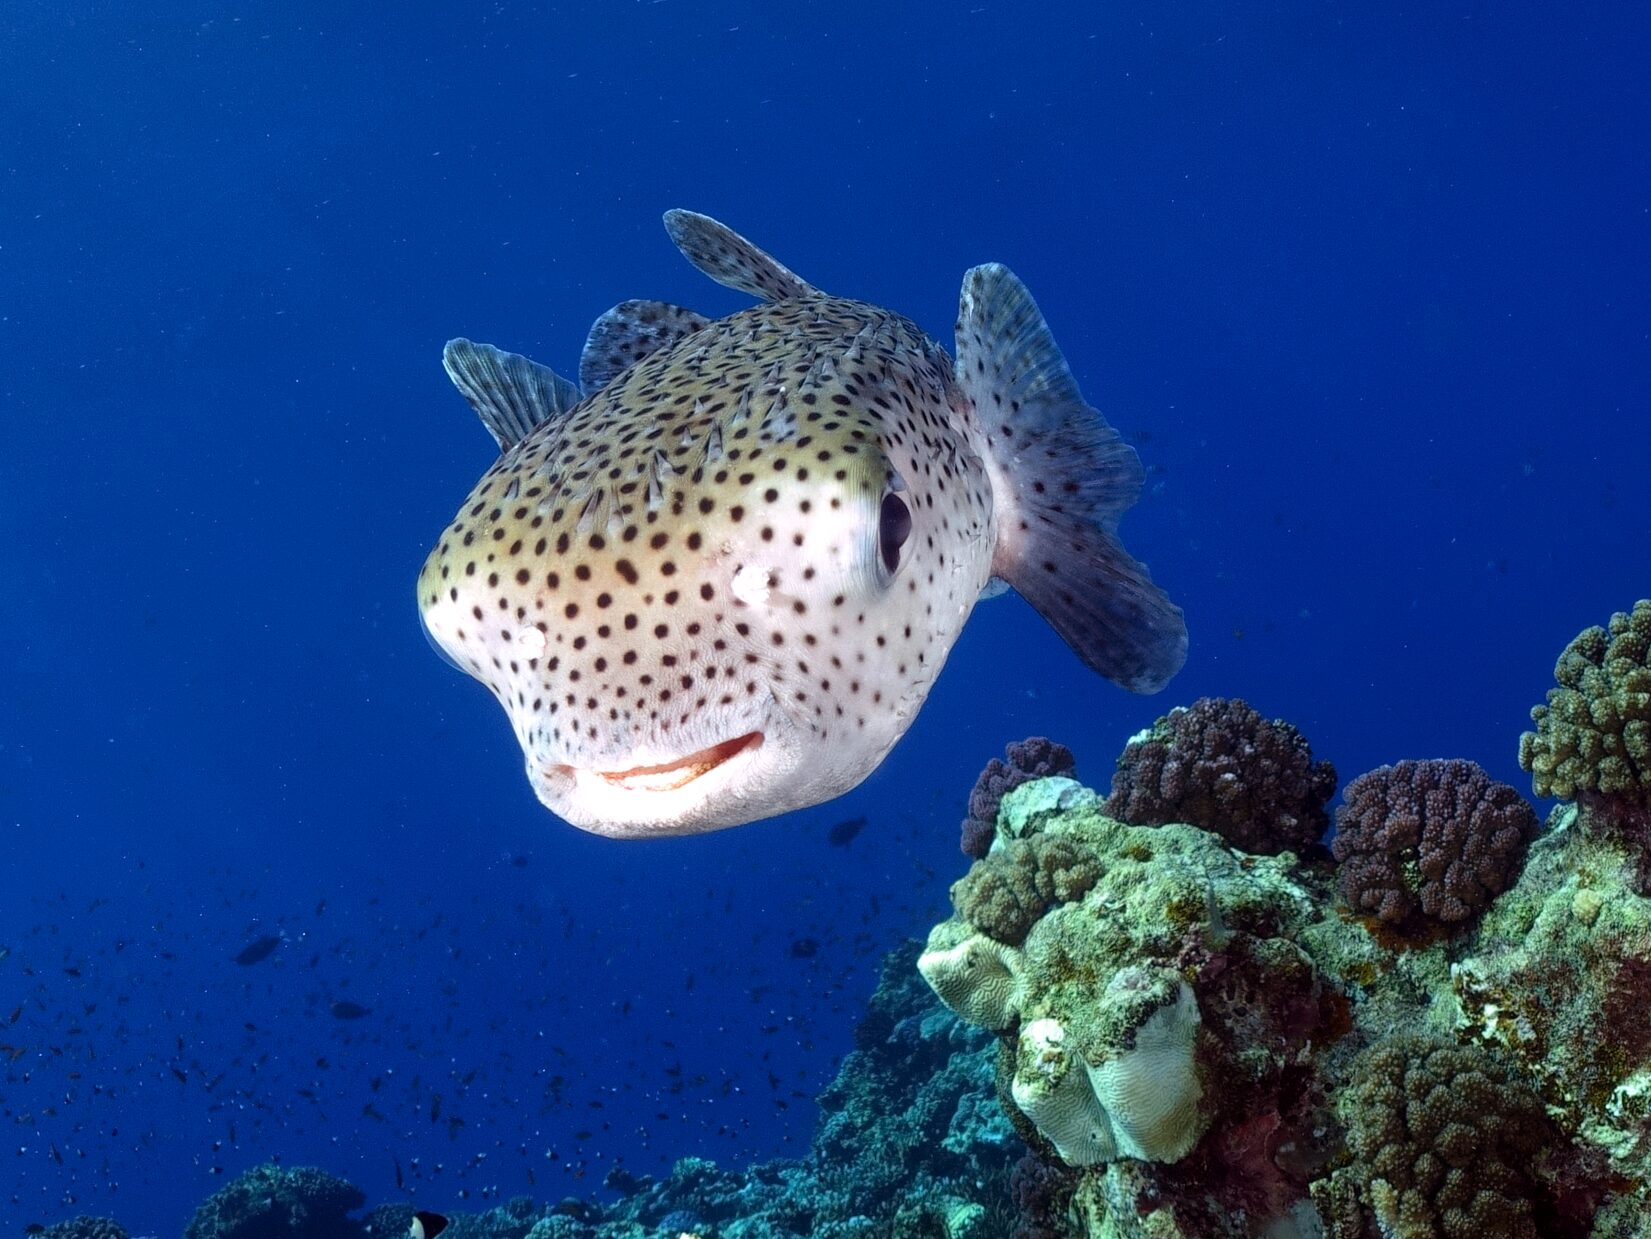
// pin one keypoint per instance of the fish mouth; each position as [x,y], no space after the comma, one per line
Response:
[669,776]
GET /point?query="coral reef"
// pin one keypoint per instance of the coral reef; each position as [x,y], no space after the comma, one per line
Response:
[1009,890]
[1036,757]
[1444,1139]
[277,1202]
[1159,1016]
[1558,981]
[1150,1031]
[85,1228]
[1427,844]
[1593,737]
[1197,1041]
[1219,765]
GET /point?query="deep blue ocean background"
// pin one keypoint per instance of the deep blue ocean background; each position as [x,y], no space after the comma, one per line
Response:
[1368,285]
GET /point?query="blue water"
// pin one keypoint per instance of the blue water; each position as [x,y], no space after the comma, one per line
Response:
[1368,286]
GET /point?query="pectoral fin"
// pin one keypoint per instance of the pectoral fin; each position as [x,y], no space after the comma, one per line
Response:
[1066,477]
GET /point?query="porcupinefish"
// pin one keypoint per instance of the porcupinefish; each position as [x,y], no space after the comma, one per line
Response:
[714,580]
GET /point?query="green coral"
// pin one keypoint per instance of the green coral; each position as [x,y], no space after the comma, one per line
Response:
[1142,986]
[1016,883]
[1594,735]
[1558,980]
[1444,1139]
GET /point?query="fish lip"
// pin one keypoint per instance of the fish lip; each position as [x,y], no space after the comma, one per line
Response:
[677,773]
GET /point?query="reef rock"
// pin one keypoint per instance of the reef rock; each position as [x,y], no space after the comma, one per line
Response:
[1152,997]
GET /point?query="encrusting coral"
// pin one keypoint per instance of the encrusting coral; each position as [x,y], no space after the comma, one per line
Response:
[1423,844]
[1558,979]
[1036,757]
[1219,765]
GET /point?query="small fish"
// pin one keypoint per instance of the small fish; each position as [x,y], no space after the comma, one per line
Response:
[426,1225]
[844,833]
[259,950]
[347,1010]
[715,580]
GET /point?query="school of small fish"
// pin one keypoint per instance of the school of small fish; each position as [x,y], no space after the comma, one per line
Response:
[429,1046]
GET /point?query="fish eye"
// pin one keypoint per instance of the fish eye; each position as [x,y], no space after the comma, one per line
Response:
[893,528]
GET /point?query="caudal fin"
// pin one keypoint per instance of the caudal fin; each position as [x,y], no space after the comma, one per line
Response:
[1065,477]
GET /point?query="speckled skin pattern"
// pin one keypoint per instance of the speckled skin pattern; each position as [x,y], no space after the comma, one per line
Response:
[693,555]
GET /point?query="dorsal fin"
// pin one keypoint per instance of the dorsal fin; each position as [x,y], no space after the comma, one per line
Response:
[628,333]
[511,394]
[731,260]
[1067,477]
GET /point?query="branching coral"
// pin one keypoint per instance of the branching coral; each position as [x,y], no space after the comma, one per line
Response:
[1036,757]
[1220,766]
[1429,843]
[1444,1140]
[1594,735]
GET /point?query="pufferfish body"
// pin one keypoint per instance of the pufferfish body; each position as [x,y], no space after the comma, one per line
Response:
[715,581]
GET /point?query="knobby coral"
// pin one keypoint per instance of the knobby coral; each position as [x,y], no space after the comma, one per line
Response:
[1423,844]
[1036,757]
[1444,1140]
[1594,734]
[1219,765]
[1006,893]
